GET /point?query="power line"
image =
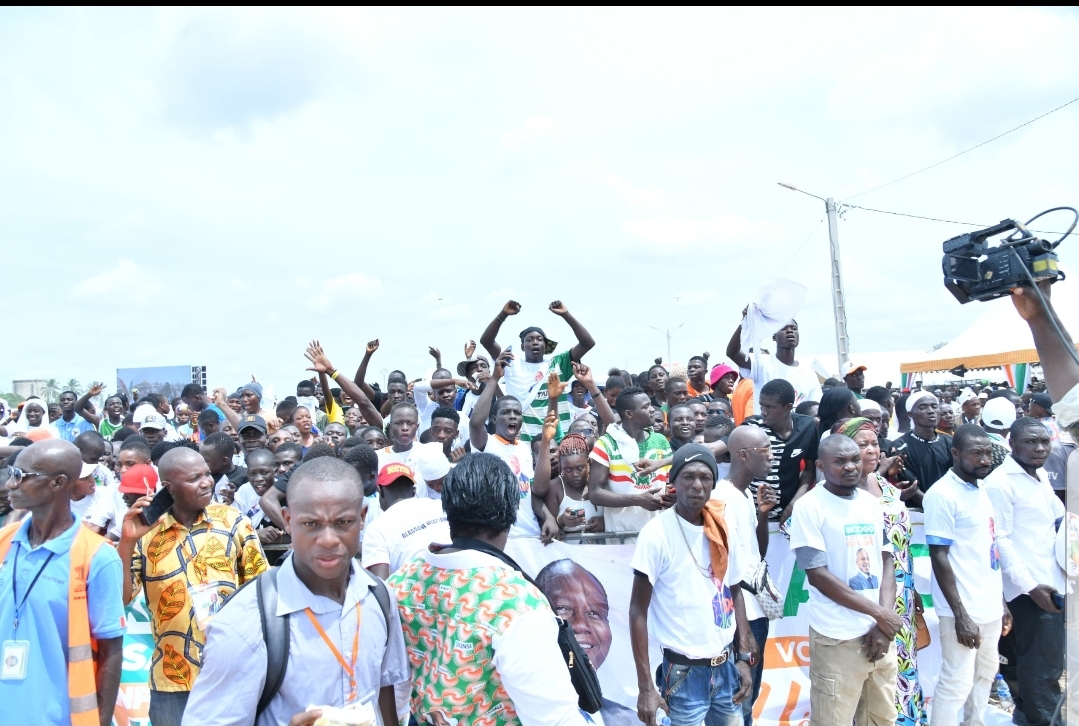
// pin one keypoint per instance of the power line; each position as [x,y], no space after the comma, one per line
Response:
[935,219]
[931,166]
[804,242]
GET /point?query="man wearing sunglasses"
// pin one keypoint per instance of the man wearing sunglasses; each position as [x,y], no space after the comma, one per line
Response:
[46,671]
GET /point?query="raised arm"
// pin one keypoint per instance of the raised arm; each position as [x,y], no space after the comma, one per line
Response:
[1058,362]
[222,401]
[361,372]
[487,340]
[477,422]
[585,342]
[584,374]
[734,347]
[81,405]
[321,365]
[436,354]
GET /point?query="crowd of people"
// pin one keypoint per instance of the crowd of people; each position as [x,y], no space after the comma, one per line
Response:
[373,523]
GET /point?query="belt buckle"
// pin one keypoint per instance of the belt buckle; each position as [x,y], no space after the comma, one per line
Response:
[718,660]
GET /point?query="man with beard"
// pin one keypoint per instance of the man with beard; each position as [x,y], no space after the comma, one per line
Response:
[579,598]
[927,455]
[966,585]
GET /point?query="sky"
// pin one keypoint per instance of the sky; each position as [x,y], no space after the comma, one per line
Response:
[219,187]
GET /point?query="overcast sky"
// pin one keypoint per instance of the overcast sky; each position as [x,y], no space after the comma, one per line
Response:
[218,187]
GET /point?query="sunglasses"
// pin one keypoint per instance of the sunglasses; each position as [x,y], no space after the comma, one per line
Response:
[18,474]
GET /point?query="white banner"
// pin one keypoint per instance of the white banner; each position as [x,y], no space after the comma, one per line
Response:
[784,697]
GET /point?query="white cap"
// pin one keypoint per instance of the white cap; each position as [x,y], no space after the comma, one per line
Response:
[147,417]
[998,413]
[432,464]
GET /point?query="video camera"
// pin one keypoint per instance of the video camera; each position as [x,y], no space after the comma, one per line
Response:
[973,271]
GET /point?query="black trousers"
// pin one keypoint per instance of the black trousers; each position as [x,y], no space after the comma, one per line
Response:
[1039,650]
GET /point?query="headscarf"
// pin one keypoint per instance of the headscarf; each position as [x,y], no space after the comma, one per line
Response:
[912,401]
[23,424]
[850,427]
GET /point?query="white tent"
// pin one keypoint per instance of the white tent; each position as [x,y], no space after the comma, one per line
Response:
[999,337]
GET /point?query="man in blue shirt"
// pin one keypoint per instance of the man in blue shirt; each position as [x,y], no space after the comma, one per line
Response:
[34,594]
[70,424]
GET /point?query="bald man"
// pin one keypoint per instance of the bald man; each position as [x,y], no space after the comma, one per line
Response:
[41,555]
[320,582]
[195,556]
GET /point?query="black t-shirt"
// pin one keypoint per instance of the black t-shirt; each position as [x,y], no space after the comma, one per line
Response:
[927,461]
[788,457]
[238,476]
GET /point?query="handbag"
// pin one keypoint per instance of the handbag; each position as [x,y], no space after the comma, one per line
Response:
[581,672]
[921,631]
[764,589]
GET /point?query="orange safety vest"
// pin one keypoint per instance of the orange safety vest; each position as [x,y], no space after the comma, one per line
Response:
[81,671]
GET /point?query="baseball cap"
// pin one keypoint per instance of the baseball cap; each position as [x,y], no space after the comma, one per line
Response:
[999,413]
[1044,400]
[252,421]
[147,417]
[718,371]
[139,479]
[853,367]
[87,470]
[392,472]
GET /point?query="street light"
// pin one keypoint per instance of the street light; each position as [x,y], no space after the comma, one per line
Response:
[667,332]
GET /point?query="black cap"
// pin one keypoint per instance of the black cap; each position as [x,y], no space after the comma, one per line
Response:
[1044,400]
[690,453]
[252,421]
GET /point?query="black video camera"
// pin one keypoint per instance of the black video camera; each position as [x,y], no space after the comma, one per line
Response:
[973,271]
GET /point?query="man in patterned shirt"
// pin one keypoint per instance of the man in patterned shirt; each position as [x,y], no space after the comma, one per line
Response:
[189,561]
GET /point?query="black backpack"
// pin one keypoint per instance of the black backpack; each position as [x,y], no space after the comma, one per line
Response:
[275,630]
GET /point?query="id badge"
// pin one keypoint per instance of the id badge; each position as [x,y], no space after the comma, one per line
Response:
[206,601]
[13,659]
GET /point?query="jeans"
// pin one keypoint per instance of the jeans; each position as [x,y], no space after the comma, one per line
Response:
[759,628]
[167,707]
[1039,649]
[700,693]
[966,675]
[844,686]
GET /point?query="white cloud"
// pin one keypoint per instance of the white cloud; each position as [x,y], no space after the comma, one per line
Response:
[534,128]
[346,288]
[108,282]
[633,195]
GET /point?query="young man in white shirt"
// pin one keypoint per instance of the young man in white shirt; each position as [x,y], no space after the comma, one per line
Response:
[686,594]
[966,586]
[747,522]
[1027,512]
[851,632]
[408,523]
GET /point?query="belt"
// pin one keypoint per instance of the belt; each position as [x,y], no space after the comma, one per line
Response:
[679,659]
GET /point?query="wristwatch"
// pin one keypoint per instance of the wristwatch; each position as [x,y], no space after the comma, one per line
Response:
[750,658]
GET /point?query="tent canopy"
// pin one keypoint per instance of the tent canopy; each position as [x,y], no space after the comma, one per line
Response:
[999,337]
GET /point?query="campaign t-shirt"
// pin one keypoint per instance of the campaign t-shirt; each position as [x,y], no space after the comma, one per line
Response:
[960,515]
[851,534]
[740,513]
[622,478]
[403,532]
[788,457]
[518,456]
[528,383]
[692,611]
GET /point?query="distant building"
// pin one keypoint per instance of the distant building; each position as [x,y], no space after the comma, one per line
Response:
[28,388]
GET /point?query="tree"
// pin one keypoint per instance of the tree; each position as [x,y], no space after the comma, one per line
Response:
[51,390]
[75,387]
[13,399]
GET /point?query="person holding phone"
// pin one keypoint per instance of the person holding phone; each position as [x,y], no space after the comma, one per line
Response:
[1027,511]
[183,557]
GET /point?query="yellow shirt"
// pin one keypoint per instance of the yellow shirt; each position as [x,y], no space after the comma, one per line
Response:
[221,549]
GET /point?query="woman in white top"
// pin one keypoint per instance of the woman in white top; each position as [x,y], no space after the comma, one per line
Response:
[567,494]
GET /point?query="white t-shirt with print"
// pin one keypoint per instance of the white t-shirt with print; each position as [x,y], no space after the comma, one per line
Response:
[691,613]
[519,457]
[740,512]
[851,533]
[97,509]
[403,532]
[960,515]
[801,377]
[247,501]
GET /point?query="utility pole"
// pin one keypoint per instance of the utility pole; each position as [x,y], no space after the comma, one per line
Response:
[839,305]
[667,332]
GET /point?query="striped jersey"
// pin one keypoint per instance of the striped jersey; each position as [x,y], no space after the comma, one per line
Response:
[623,478]
[526,381]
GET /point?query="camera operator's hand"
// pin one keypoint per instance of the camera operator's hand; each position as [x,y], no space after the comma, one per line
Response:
[1027,303]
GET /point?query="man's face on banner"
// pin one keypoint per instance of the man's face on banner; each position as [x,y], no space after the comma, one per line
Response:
[578,598]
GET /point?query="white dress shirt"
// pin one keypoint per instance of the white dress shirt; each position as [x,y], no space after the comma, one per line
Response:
[1027,512]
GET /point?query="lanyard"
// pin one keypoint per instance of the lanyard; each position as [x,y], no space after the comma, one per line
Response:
[14,584]
[350,670]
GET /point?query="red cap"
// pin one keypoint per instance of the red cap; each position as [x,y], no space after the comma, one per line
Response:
[392,472]
[718,371]
[139,479]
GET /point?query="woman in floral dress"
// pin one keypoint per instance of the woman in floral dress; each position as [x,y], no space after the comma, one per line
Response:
[909,700]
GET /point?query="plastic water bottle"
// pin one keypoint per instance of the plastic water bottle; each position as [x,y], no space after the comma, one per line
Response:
[662,719]
[1004,694]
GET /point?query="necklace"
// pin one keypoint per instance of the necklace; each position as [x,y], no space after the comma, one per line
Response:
[702,570]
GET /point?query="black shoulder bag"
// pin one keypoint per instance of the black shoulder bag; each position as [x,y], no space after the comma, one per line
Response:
[581,673]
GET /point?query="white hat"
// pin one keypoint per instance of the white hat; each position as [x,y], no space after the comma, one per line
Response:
[917,396]
[432,465]
[147,417]
[998,413]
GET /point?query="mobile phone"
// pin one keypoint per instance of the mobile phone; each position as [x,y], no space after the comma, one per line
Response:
[577,512]
[1058,600]
[161,503]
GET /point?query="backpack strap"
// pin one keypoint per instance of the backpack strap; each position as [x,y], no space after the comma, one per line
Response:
[382,594]
[275,634]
